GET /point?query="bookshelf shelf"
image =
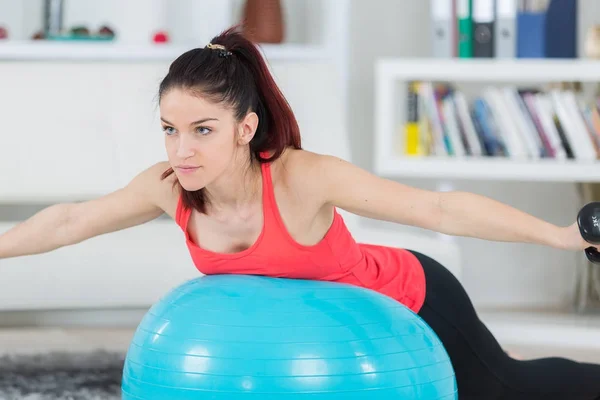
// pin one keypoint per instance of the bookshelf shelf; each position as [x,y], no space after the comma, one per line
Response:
[61,51]
[489,70]
[498,169]
[392,77]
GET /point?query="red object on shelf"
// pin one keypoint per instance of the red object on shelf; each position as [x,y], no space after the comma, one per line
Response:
[160,37]
[3,33]
[106,31]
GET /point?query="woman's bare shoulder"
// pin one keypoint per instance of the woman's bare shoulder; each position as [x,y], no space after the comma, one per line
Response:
[164,190]
[295,163]
[299,169]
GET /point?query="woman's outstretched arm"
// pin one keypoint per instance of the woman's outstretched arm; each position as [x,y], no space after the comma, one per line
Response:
[454,213]
[142,200]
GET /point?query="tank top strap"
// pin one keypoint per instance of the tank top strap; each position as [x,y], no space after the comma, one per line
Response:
[268,195]
[274,227]
[270,210]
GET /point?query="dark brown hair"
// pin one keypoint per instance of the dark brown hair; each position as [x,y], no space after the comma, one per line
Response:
[239,77]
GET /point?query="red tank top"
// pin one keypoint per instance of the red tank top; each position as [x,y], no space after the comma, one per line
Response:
[337,257]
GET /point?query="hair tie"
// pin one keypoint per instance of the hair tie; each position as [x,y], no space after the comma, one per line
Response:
[223,52]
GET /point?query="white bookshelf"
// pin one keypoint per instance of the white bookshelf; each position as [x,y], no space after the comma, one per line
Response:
[391,78]
[315,30]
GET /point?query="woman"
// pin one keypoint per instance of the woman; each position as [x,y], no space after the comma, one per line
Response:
[251,201]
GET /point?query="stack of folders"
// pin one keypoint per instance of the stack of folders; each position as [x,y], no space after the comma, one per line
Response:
[501,121]
[504,28]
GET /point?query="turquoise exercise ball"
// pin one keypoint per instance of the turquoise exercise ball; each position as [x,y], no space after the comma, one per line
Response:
[230,337]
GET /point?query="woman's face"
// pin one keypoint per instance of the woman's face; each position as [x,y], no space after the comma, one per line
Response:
[202,138]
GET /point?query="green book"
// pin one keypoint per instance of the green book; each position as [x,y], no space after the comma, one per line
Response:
[464,17]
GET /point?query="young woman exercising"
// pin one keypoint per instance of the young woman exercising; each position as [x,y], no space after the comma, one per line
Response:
[251,201]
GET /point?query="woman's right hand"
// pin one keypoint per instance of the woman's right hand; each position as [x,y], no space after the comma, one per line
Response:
[587,227]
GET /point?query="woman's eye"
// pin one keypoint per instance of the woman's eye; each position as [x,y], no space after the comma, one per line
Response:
[168,130]
[202,130]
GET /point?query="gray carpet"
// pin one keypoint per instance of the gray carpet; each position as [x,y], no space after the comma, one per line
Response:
[64,376]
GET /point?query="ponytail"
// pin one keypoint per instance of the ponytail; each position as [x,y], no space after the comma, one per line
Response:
[281,128]
[232,70]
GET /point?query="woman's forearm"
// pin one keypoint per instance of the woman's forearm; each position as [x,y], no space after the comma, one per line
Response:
[41,233]
[473,215]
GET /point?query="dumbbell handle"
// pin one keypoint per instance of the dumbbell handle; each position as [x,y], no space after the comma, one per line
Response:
[588,220]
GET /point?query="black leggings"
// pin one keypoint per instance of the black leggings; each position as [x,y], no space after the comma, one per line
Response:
[483,369]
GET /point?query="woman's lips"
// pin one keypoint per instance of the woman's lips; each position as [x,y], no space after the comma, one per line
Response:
[186,169]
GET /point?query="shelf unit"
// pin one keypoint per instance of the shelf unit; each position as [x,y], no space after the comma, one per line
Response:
[135,23]
[391,77]
[489,168]
[107,51]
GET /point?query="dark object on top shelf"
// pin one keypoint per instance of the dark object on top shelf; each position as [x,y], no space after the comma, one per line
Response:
[561,20]
[39,35]
[53,17]
[3,33]
[83,33]
[53,29]
[80,30]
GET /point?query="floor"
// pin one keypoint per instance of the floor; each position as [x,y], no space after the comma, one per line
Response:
[39,340]
[535,334]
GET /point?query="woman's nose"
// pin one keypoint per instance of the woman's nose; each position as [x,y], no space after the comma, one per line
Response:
[184,148]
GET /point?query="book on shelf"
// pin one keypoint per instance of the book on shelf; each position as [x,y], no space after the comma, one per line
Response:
[504,28]
[500,121]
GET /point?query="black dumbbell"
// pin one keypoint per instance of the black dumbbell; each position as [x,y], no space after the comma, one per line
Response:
[588,220]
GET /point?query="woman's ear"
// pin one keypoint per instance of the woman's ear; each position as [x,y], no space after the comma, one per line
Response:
[247,128]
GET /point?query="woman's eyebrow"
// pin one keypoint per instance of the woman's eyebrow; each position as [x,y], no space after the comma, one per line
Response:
[200,121]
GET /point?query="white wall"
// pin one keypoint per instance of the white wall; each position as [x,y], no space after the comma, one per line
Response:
[495,274]
[103,115]
[130,268]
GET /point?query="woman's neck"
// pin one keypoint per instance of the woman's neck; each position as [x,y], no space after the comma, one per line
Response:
[236,189]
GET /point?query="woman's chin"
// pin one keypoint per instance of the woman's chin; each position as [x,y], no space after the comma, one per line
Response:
[190,185]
